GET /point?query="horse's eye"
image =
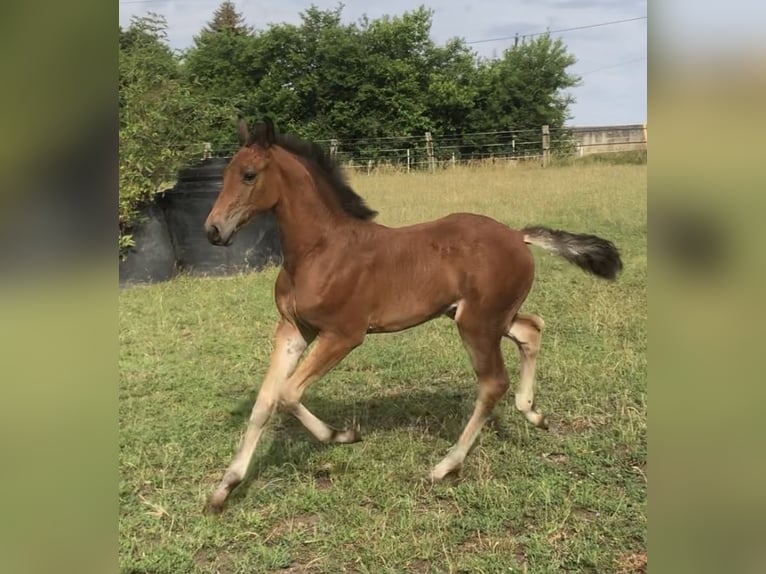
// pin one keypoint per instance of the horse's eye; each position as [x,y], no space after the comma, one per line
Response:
[249,176]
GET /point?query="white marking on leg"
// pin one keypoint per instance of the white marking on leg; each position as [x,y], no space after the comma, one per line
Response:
[327,353]
[454,459]
[459,310]
[491,390]
[288,347]
[525,331]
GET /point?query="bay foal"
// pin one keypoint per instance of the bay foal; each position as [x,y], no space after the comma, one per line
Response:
[345,276]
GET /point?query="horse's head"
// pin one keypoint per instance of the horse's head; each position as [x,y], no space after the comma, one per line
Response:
[244,192]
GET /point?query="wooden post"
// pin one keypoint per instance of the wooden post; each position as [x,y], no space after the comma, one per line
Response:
[333,147]
[430,151]
[369,167]
[546,145]
[453,159]
[207,151]
[408,160]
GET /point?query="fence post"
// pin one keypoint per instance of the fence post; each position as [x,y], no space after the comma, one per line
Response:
[430,151]
[408,160]
[207,151]
[333,147]
[546,145]
[453,159]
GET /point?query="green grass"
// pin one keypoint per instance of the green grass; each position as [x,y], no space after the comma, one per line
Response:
[193,352]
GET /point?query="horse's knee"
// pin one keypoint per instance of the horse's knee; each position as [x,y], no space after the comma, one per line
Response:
[290,398]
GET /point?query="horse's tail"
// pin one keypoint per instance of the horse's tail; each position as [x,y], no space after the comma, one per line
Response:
[593,254]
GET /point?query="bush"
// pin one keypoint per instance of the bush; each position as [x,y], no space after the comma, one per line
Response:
[163,124]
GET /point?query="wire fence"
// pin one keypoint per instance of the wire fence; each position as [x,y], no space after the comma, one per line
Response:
[427,152]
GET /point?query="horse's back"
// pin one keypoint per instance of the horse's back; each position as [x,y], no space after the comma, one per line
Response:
[465,249]
[468,234]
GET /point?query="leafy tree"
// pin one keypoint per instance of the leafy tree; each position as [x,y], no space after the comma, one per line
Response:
[394,91]
[160,118]
[524,89]
[452,88]
[381,78]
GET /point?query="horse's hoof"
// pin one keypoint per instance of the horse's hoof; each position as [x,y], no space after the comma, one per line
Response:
[438,475]
[347,436]
[216,502]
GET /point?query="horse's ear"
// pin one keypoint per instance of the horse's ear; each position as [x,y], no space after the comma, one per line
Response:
[244,132]
[264,134]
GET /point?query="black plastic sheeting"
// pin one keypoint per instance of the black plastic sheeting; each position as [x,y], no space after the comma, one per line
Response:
[182,211]
[152,259]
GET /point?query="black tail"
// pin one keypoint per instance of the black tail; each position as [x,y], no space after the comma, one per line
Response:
[592,254]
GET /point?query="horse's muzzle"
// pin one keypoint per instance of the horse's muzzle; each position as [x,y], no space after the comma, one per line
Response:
[216,236]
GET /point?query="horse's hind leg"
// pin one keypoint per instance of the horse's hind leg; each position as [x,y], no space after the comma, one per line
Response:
[483,346]
[526,332]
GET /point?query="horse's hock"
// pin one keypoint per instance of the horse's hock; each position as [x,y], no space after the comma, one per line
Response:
[183,246]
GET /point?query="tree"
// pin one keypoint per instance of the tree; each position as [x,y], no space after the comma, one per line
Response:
[452,88]
[227,19]
[525,89]
[161,120]
[324,78]
[222,67]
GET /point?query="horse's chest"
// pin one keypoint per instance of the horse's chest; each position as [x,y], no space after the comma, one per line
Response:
[324,297]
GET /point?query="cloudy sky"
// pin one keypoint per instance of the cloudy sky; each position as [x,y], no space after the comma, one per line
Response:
[611,58]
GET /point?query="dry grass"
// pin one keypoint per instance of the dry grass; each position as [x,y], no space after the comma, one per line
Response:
[591,194]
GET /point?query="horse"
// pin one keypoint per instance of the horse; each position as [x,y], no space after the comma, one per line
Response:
[344,276]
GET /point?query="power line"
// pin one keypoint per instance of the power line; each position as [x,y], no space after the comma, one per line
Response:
[625,63]
[502,38]
[558,31]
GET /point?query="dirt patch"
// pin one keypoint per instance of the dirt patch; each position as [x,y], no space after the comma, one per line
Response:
[439,507]
[578,424]
[213,561]
[518,550]
[555,457]
[303,523]
[419,566]
[585,514]
[322,478]
[558,538]
[632,563]
[480,543]
[310,567]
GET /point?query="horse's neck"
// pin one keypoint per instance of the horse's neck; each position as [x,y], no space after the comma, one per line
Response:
[306,221]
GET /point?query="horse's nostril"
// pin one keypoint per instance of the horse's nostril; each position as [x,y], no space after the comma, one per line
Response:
[213,234]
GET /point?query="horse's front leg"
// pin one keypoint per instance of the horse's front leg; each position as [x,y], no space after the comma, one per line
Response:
[289,345]
[330,349]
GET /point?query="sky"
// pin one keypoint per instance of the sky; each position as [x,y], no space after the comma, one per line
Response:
[611,59]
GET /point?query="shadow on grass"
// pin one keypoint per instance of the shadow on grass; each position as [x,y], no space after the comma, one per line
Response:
[434,413]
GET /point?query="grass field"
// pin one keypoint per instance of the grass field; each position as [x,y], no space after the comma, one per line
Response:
[193,351]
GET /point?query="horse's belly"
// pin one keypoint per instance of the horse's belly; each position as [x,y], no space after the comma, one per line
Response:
[398,317]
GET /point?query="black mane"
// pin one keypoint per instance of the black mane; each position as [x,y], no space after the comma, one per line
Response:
[351,203]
